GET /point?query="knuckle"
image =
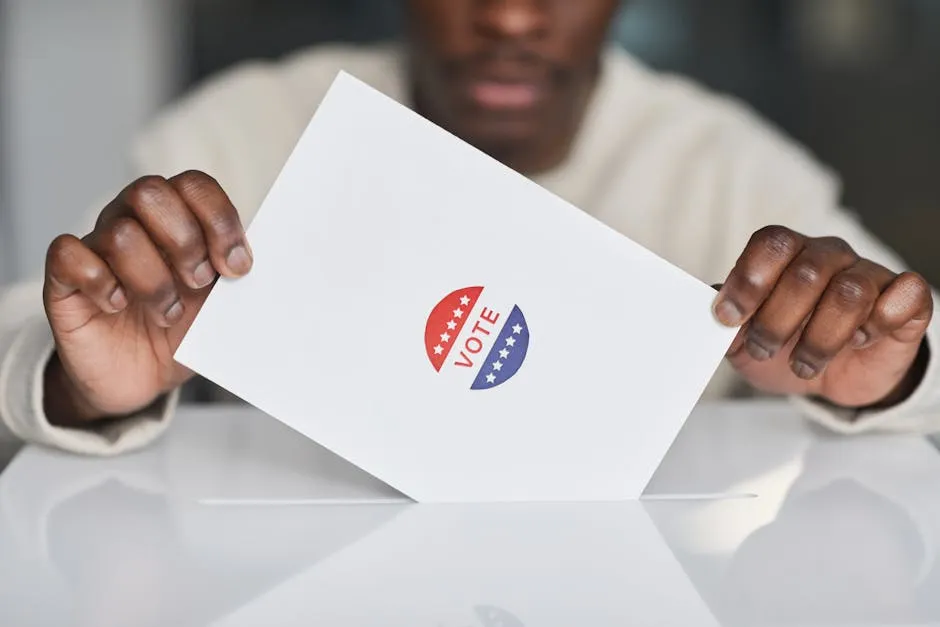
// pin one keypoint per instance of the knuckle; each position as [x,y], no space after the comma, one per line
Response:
[225,225]
[195,185]
[145,192]
[60,250]
[194,179]
[813,348]
[122,235]
[812,353]
[203,192]
[779,241]
[63,256]
[853,290]
[807,274]
[158,291]
[752,282]
[96,278]
[765,335]
[835,246]
[916,287]
[189,242]
[880,317]
[163,294]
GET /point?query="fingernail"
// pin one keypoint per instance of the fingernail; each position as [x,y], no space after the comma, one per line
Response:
[729,314]
[758,352]
[118,299]
[859,339]
[174,313]
[804,370]
[204,274]
[238,260]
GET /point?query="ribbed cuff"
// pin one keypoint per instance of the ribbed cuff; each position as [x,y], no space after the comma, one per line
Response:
[22,373]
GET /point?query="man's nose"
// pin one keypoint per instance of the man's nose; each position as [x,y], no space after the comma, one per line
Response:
[512,19]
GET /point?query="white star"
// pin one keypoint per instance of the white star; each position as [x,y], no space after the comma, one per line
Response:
[511,341]
[458,313]
[497,366]
[451,325]
[445,337]
[438,350]
[491,378]
[464,301]
[517,329]
[504,354]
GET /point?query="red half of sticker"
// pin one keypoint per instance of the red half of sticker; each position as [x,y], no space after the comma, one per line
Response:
[446,321]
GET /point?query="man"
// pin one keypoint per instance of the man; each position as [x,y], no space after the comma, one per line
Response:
[825,317]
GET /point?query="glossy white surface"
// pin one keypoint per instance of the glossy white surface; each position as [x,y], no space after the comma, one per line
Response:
[233,520]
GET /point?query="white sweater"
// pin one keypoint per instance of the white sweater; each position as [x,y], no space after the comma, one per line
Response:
[685,173]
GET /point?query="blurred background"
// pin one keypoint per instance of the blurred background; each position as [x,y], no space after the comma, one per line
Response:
[857,81]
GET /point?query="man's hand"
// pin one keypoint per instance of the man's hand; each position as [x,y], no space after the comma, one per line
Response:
[121,299]
[819,320]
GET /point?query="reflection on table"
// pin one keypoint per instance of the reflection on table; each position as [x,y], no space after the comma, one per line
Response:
[232,519]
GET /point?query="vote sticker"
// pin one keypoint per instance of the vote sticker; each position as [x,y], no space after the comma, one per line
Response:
[480,340]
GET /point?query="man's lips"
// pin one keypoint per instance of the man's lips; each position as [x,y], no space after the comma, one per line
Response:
[504,95]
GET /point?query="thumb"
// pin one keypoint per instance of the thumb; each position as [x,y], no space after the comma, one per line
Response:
[738,344]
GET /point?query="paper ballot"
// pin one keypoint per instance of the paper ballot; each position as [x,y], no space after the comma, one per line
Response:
[449,326]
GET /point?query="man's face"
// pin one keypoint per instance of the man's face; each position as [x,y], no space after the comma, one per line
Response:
[507,75]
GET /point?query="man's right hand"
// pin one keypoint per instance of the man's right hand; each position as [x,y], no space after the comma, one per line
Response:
[120,299]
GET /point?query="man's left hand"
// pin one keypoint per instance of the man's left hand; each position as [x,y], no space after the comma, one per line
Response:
[818,320]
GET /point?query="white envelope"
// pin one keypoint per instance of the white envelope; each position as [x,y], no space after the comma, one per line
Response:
[451,327]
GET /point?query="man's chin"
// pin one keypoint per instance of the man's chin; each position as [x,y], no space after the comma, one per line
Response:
[504,140]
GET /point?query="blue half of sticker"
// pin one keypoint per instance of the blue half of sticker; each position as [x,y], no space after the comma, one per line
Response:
[507,354]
